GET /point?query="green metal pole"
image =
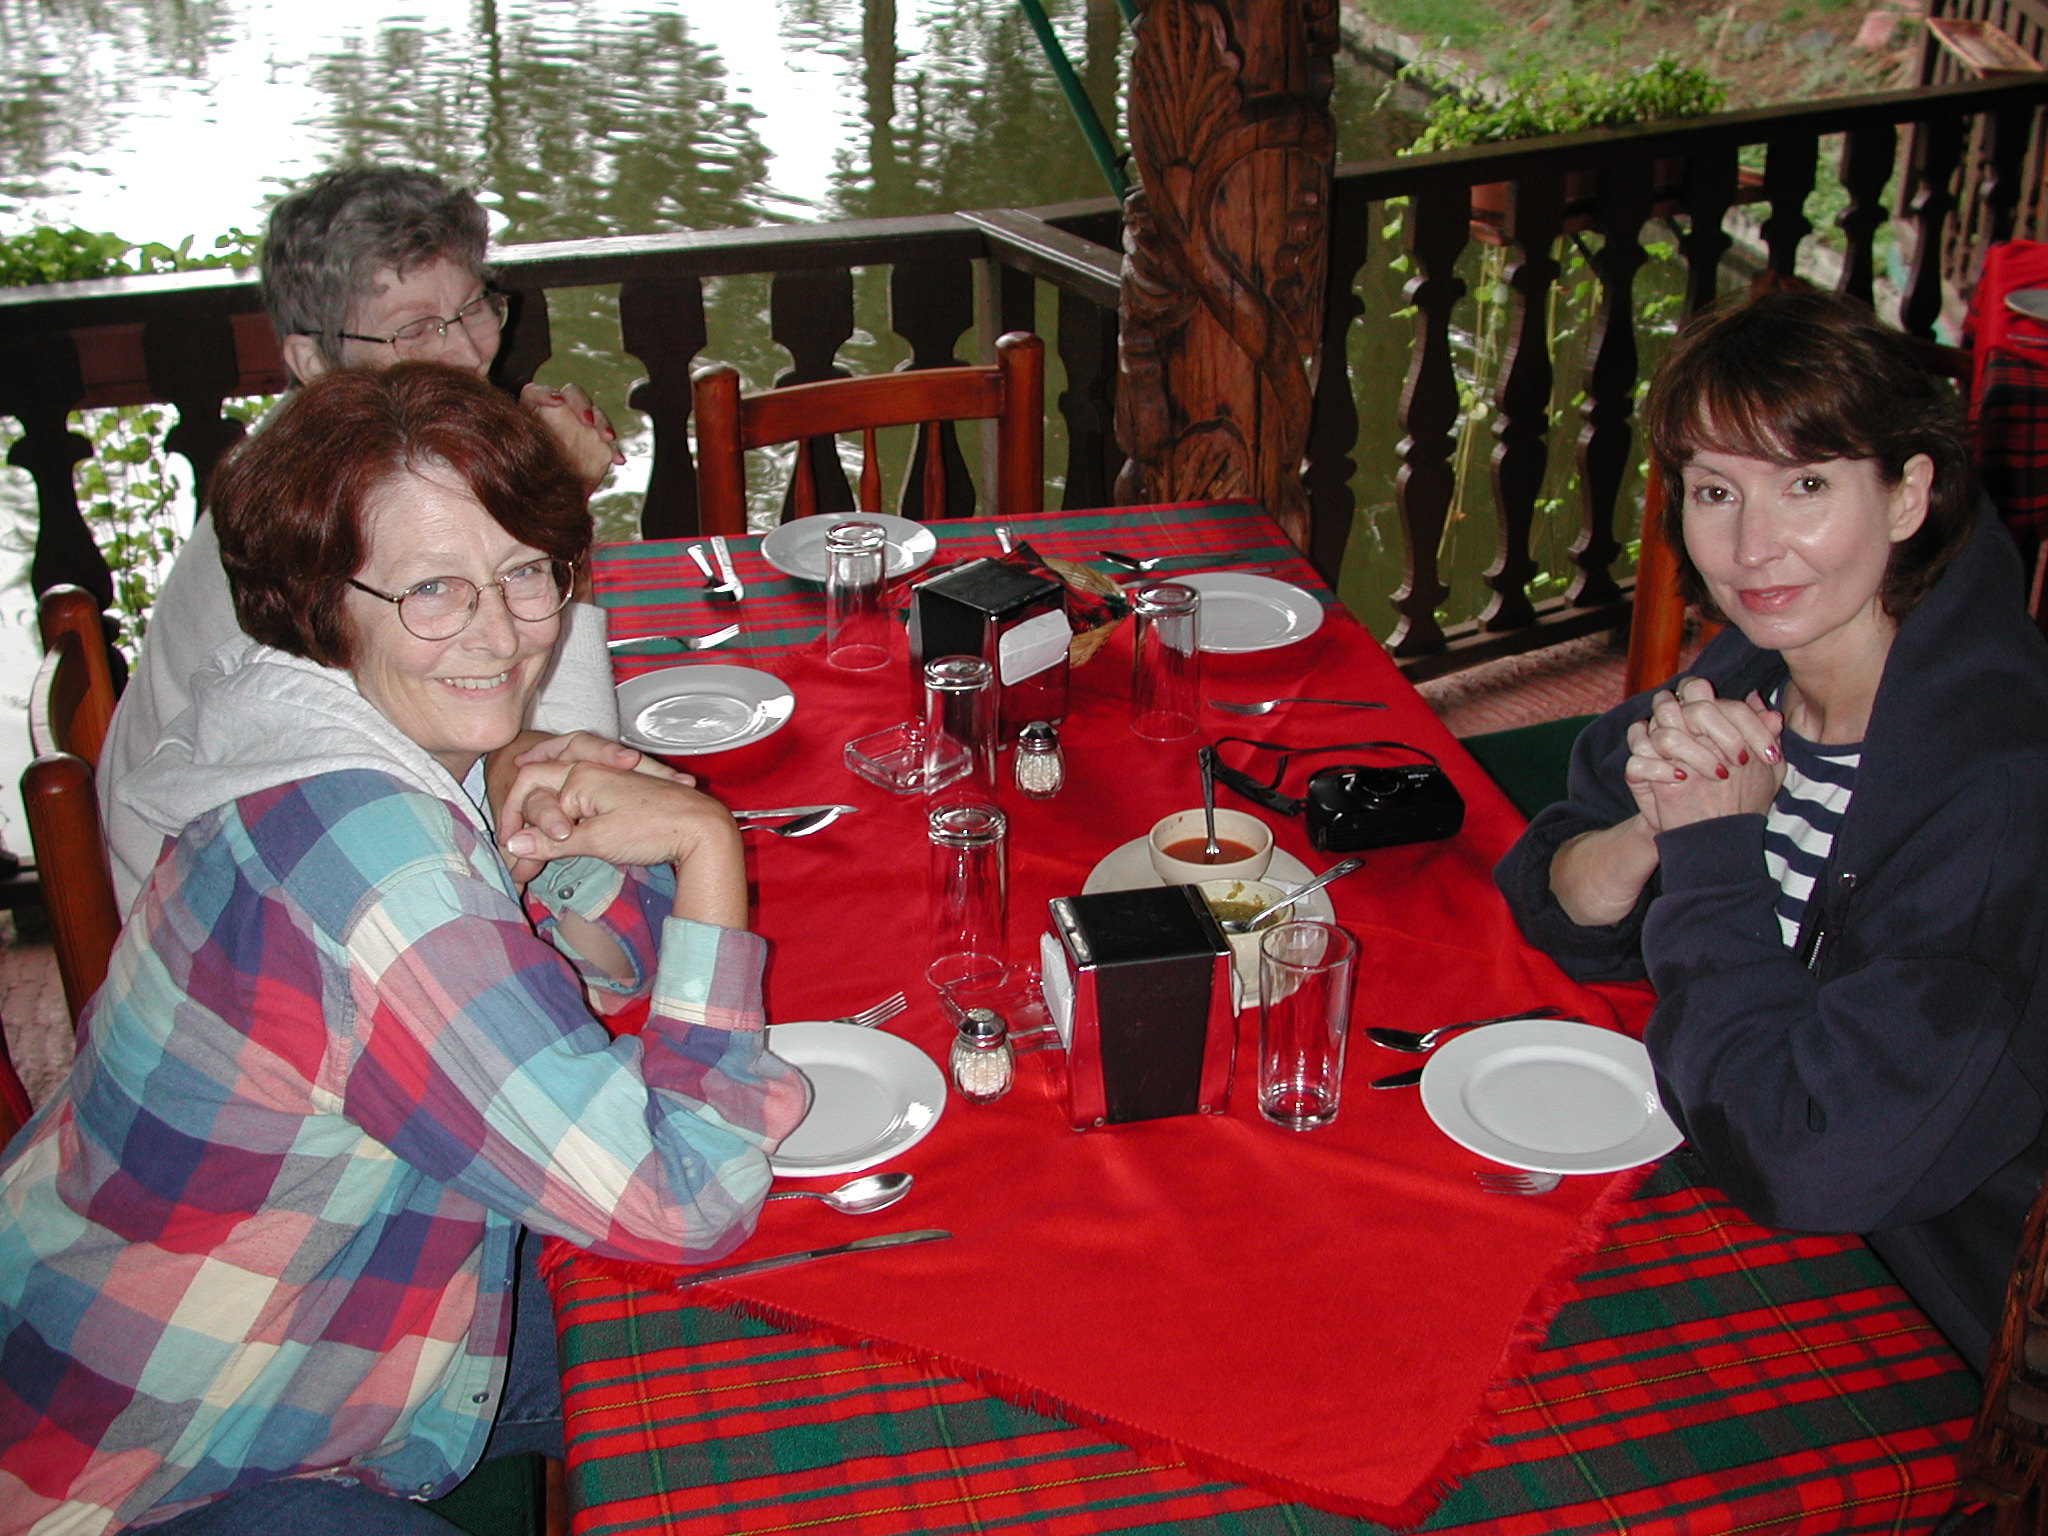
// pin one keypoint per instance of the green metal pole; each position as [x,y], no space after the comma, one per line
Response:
[1077,99]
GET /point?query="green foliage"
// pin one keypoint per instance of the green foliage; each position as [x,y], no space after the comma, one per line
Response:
[128,489]
[1537,100]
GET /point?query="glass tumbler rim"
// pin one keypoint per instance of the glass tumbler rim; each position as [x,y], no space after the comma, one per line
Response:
[1164,597]
[966,824]
[1337,938]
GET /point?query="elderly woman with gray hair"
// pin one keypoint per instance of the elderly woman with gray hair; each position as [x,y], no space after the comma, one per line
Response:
[362,268]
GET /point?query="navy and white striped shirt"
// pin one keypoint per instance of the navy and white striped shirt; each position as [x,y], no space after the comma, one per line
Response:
[1800,827]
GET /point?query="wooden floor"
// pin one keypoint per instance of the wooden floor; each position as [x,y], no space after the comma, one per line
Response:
[1579,678]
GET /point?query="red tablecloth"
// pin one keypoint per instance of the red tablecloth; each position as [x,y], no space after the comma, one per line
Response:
[1318,1315]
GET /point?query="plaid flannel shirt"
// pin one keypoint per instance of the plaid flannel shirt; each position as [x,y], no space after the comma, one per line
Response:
[266,1228]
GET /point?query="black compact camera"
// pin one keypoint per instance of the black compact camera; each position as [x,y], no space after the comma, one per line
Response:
[1355,806]
[1352,807]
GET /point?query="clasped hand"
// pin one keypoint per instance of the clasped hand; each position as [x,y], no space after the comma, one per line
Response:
[570,796]
[1698,757]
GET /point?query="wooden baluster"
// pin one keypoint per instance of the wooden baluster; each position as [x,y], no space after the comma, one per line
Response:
[1606,440]
[191,363]
[1333,420]
[1790,167]
[1939,144]
[870,473]
[1867,155]
[1521,421]
[42,385]
[1711,181]
[810,315]
[527,343]
[661,322]
[931,306]
[2010,136]
[1439,223]
[1095,460]
[1005,300]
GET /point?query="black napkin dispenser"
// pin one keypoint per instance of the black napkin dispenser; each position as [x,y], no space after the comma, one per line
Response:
[1014,619]
[1138,984]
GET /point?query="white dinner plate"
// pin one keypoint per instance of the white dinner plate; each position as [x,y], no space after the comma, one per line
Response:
[1129,868]
[872,1095]
[797,547]
[705,708]
[1549,1095]
[2031,302]
[1242,612]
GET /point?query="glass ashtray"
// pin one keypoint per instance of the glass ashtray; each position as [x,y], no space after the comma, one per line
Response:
[892,758]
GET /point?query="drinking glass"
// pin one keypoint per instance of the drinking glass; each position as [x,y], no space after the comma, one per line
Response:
[960,730]
[1166,666]
[1305,973]
[969,893]
[856,623]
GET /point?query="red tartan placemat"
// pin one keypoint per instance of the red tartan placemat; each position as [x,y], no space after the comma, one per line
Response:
[1709,1376]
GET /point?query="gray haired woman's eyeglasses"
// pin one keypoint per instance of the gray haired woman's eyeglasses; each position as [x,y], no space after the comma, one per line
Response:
[481,316]
[441,607]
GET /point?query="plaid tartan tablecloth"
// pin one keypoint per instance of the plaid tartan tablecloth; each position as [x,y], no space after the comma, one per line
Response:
[1708,1376]
[665,593]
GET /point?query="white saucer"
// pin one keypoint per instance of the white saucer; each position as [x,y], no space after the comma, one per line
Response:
[679,711]
[1129,868]
[1549,1095]
[797,547]
[872,1095]
[1242,612]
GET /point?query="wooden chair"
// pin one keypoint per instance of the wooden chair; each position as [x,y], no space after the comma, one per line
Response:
[2007,1454]
[69,707]
[1011,393]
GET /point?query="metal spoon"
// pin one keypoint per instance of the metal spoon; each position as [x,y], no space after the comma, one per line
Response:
[1206,757]
[1336,871]
[1409,1040]
[802,826]
[856,1197]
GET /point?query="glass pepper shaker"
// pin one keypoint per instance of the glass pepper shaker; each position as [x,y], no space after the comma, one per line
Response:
[1039,766]
[982,1063]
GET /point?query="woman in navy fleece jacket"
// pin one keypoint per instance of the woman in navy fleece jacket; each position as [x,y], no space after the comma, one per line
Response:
[1824,843]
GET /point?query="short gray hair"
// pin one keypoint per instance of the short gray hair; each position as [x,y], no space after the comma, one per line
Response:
[328,241]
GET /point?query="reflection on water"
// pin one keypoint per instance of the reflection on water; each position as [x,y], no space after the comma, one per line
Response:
[162,118]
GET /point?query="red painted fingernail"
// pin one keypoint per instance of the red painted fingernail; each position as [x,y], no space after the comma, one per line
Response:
[1679,774]
[1742,758]
[1720,770]
[1771,754]
[590,417]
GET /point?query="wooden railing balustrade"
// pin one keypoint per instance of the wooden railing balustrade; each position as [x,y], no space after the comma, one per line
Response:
[197,339]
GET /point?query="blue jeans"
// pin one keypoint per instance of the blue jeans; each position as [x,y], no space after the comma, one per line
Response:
[529,1420]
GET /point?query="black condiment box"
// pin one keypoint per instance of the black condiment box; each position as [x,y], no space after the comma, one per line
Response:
[1138,984]
[1014,619]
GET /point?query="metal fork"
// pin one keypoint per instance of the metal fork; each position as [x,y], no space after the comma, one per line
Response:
[687,642]
[1516,1181]
[879,1013]
[1267,706]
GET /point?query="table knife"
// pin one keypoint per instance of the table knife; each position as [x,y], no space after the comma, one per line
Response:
[725,571]
[1406,1079]
[783,812]
[781,1260]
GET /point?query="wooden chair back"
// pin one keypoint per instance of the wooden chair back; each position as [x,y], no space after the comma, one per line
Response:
[1011,393]
[69,706]
[2007,1454]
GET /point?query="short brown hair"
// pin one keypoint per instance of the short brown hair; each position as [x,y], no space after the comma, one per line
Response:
[1801,378]
[288,505]
[328,241]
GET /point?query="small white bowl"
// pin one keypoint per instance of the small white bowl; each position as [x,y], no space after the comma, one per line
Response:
[1244,947]
[1238,827]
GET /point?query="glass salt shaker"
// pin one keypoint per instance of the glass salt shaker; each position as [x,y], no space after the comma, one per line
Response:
[983,1065]
[1039,767]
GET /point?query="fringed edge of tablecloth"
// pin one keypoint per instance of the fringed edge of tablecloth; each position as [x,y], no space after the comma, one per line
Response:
[1523,1342]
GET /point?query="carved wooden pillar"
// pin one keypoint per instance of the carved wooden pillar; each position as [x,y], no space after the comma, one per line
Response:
[1225,240]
